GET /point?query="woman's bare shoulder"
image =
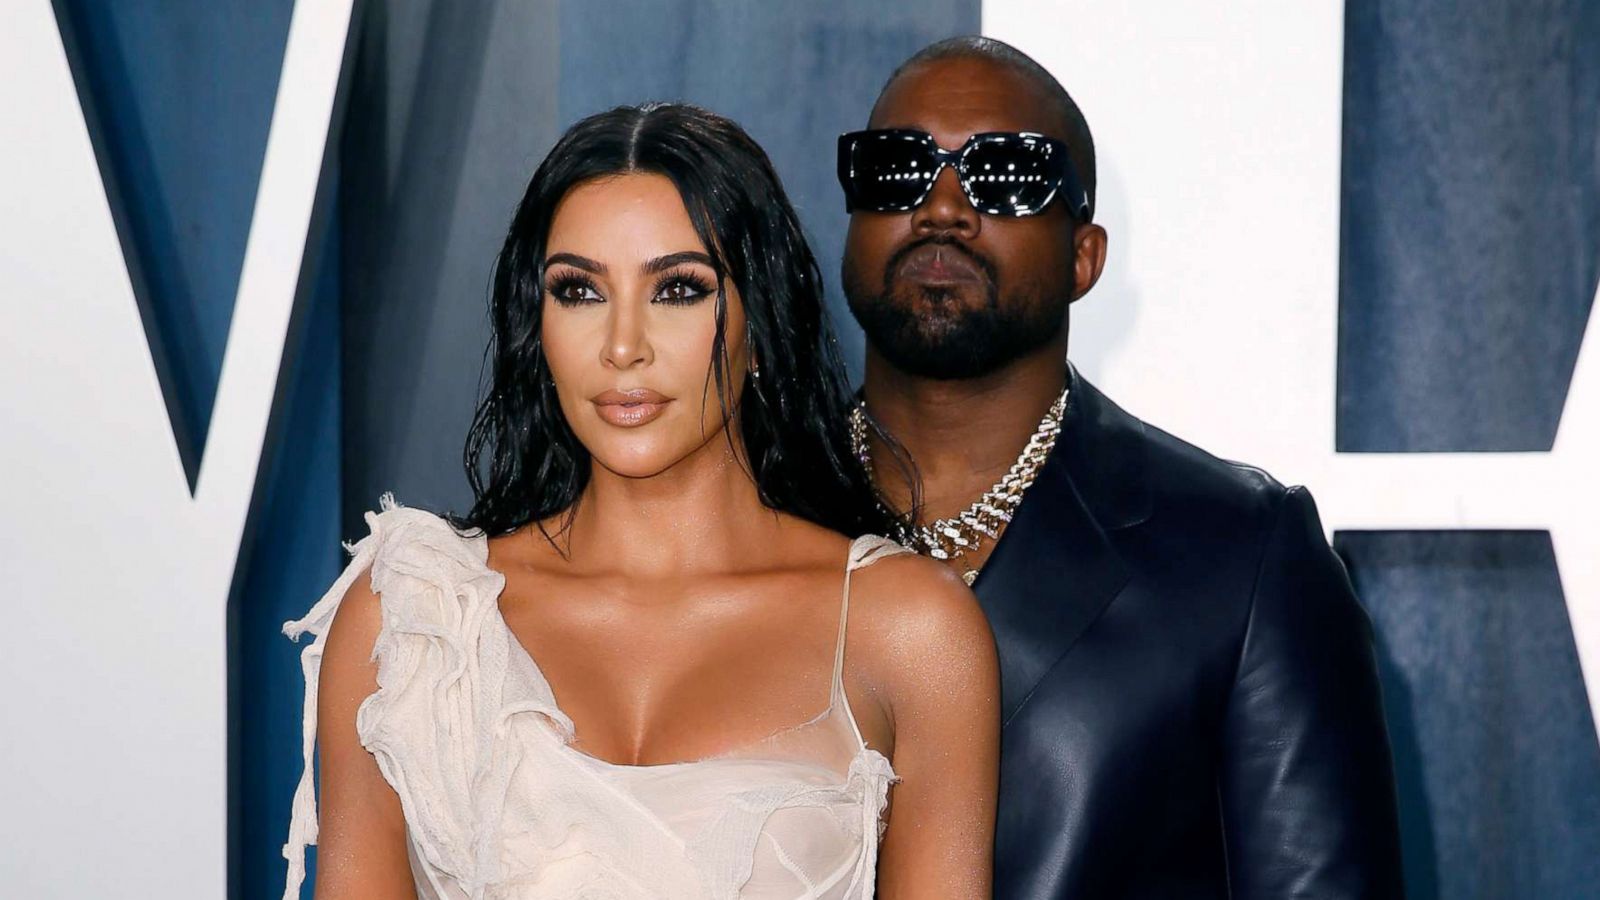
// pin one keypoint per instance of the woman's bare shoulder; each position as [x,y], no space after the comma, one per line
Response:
[908,609]
[354,631]
[910,591]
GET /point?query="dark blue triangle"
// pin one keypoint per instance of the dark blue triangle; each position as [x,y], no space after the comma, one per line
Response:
[178,99]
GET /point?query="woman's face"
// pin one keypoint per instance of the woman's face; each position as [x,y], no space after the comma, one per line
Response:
[629,321]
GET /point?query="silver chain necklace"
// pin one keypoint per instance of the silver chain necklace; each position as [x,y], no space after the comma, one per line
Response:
[954,537]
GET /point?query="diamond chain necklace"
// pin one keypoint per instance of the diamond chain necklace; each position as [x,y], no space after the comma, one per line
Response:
[954,537]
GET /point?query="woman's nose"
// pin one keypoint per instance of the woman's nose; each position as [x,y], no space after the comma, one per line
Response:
[626,343]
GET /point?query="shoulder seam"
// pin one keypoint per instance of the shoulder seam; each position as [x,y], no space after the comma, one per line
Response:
[1267,535]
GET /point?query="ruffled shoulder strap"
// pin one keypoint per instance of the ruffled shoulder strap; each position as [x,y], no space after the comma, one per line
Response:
[390,550]
[436,592]
[303,810]
[869,548]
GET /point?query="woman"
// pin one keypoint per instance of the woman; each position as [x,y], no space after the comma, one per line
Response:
[624,673]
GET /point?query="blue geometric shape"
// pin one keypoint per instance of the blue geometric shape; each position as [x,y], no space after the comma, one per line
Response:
[1495,748]
[1470,232]
[806,72]
[289,557]
[178,98]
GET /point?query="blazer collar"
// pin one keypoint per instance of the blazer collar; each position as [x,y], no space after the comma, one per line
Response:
[1055,569]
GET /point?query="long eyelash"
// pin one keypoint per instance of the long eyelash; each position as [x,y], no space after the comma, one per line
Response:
[688,278]
[559,284]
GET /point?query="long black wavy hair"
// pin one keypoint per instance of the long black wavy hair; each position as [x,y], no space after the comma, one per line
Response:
[522,459]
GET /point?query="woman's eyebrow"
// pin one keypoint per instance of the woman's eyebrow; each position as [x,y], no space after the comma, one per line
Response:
[662,263]
[576,261]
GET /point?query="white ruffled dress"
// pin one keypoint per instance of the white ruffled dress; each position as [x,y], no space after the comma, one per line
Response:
[497,802]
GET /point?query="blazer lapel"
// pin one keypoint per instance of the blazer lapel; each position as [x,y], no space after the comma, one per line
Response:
[1054,570]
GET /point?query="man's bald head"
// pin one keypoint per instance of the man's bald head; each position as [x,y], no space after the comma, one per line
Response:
[1074,129]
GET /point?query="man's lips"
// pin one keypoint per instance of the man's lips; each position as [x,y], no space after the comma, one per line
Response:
[629,408]
[938,264]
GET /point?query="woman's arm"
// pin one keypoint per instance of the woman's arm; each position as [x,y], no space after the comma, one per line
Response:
[361,848]
[936,657]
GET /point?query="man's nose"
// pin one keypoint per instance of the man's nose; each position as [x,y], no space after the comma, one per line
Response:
[946,209]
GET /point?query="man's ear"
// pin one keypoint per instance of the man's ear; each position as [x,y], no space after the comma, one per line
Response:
[1088,257]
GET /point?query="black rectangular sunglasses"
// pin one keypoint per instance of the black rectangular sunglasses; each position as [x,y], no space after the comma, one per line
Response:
[1003,173]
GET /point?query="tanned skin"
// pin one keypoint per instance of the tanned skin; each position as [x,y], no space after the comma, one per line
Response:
[677,617]
[964,434]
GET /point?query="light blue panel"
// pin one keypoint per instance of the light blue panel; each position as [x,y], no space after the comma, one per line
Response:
[178,97]
[1495,749]
[1471,220]
[795,75]
[451,108]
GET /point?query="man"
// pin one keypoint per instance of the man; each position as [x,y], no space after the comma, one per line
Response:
[1189,694]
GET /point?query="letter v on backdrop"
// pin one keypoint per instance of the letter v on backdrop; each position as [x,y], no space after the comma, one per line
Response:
[116,577]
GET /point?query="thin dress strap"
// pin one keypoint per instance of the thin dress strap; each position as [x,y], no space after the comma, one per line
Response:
[864,551]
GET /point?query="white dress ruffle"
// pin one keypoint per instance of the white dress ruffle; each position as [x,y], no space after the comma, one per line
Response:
[497,802]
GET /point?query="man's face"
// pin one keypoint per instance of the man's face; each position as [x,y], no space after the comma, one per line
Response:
[943,291]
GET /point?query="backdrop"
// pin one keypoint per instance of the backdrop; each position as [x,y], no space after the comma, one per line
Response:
[244,256]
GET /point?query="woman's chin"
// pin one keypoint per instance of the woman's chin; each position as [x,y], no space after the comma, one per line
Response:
[635,461]
[649,451]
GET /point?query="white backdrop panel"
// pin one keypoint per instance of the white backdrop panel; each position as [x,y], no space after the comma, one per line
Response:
[1218,130]
[113,773]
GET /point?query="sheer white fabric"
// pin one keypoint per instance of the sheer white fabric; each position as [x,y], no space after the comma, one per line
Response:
[497,802]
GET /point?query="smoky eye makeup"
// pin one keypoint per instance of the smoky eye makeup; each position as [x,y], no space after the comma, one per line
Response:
[682,287]
[677,285]
[570,287]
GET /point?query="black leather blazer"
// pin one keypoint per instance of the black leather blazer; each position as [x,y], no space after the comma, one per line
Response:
[1189,693]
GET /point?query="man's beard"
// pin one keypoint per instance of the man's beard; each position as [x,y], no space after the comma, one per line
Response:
[930,332]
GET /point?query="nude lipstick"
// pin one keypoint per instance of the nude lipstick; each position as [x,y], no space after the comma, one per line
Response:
[630,408]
